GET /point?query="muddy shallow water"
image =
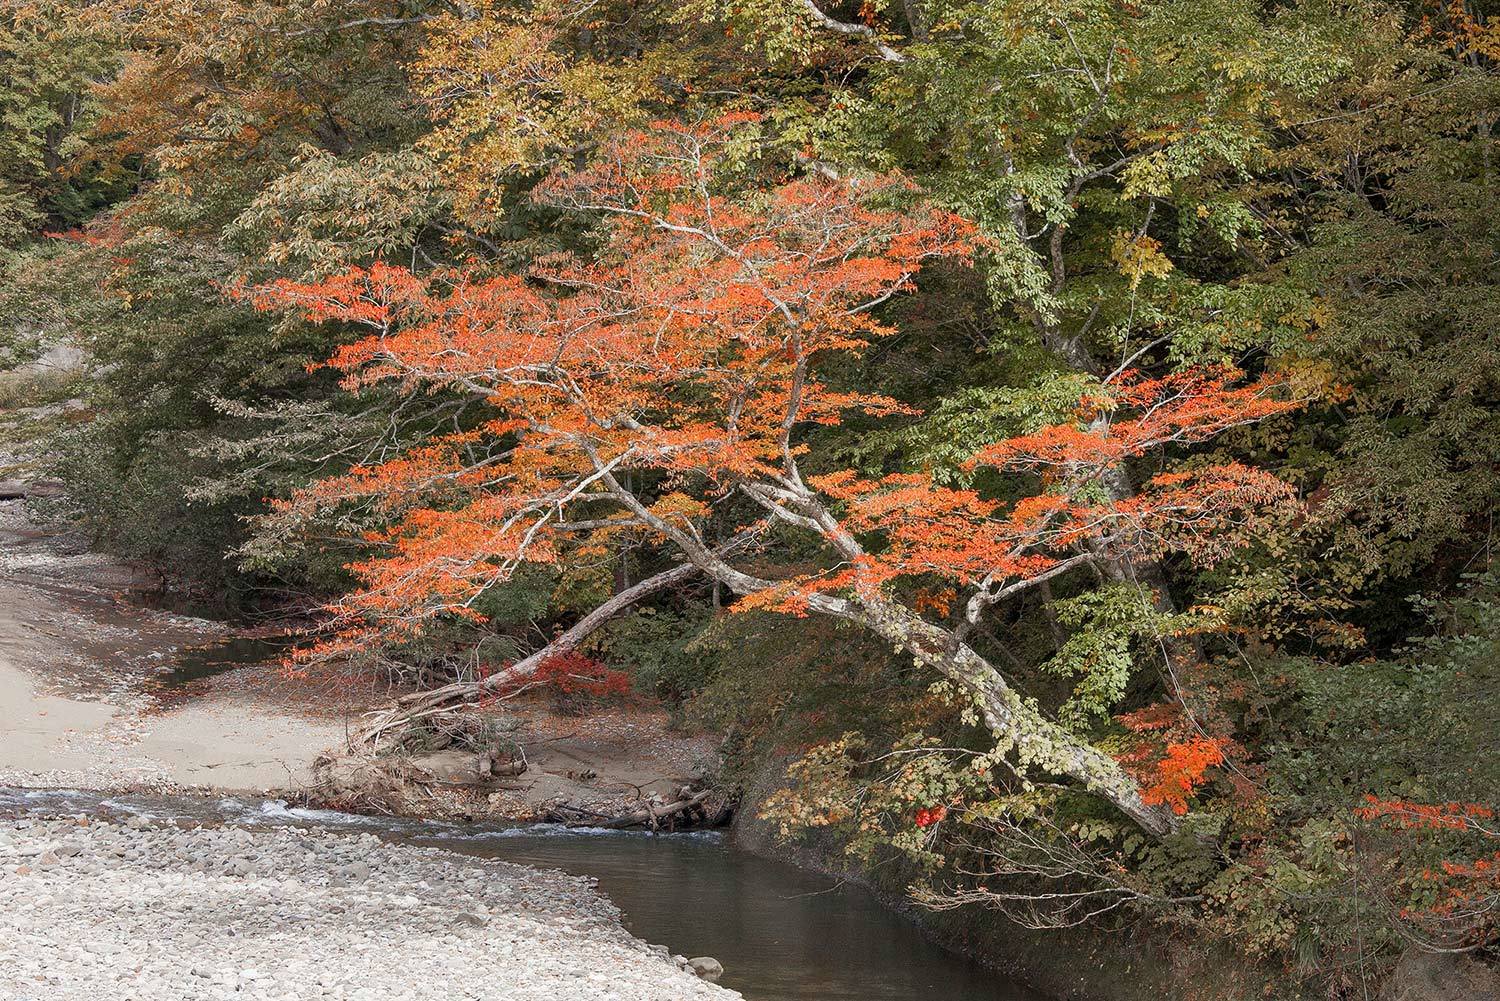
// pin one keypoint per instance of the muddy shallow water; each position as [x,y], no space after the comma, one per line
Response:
[781,933]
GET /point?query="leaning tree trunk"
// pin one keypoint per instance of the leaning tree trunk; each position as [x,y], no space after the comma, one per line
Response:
[1035,740]
[410,708]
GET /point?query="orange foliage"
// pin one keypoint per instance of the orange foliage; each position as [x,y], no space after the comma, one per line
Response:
[692,345]
[1174,761]
[1182,771]
[965,537]
[1464,908]
[1181,408]
[689,345]
[111,236]
[1433,816]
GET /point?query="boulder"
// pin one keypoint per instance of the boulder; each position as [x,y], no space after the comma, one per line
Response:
[455,767]
[706,968]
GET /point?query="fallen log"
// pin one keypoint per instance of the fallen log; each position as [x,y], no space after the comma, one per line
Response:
[650,815]
[410,708]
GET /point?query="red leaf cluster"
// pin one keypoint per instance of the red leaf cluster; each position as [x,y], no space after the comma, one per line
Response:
[928,816]
[574,673]
[1175,759]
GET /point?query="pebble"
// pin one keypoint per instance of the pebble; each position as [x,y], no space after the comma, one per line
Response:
[163,913]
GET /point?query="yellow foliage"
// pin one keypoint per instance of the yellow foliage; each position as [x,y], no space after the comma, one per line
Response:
[1149,176]
[1139,255]
[508,96]
[678,506]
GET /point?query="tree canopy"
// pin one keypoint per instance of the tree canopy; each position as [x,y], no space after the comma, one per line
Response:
[1071,427]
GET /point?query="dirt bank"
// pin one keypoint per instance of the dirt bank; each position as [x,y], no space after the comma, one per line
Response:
[82,665]
[1136,961]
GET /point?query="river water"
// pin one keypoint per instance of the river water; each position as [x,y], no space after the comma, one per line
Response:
[782,934]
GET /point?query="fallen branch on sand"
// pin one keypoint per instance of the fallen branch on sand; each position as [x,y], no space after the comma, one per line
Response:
[410,708]
[450,698]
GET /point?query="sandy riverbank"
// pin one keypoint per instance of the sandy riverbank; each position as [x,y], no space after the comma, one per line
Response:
[166,914]
[73,667]
[78,708]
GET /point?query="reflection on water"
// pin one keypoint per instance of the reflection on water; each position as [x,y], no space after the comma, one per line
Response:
[196,663]
[781,933]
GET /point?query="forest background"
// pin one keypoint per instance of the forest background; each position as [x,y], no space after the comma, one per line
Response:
[1064,432]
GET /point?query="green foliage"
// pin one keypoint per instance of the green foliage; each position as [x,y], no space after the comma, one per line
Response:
[148,468]
[325,213]
[1422,726]
[665,651]
[1103,627]
[50,56]
[1303,189]
[1419,727]
[523,599]
[952,431]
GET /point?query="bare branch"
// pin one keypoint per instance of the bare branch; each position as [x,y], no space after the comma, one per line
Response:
[864,31]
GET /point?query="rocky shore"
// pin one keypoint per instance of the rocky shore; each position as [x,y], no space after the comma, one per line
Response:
[136,912]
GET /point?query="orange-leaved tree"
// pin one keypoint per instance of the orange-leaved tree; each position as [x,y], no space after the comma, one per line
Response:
[1459,907]
[678,368]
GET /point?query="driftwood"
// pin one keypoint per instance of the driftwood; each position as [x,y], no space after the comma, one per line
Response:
[450,698]
[687,811]
[22,489]
[509,768]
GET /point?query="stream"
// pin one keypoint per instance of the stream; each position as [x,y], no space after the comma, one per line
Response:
[783,934]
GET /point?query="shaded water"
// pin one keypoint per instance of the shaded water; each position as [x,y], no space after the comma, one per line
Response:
[196,663]
[781,933]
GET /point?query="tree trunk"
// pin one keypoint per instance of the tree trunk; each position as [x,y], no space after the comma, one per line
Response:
[1036,740]
[409,708]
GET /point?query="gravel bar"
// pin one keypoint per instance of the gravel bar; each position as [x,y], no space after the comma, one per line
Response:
[137,912]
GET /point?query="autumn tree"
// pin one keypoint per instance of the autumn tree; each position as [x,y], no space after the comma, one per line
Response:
[196,142]
[592,362]
[52,55]
[692,347]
